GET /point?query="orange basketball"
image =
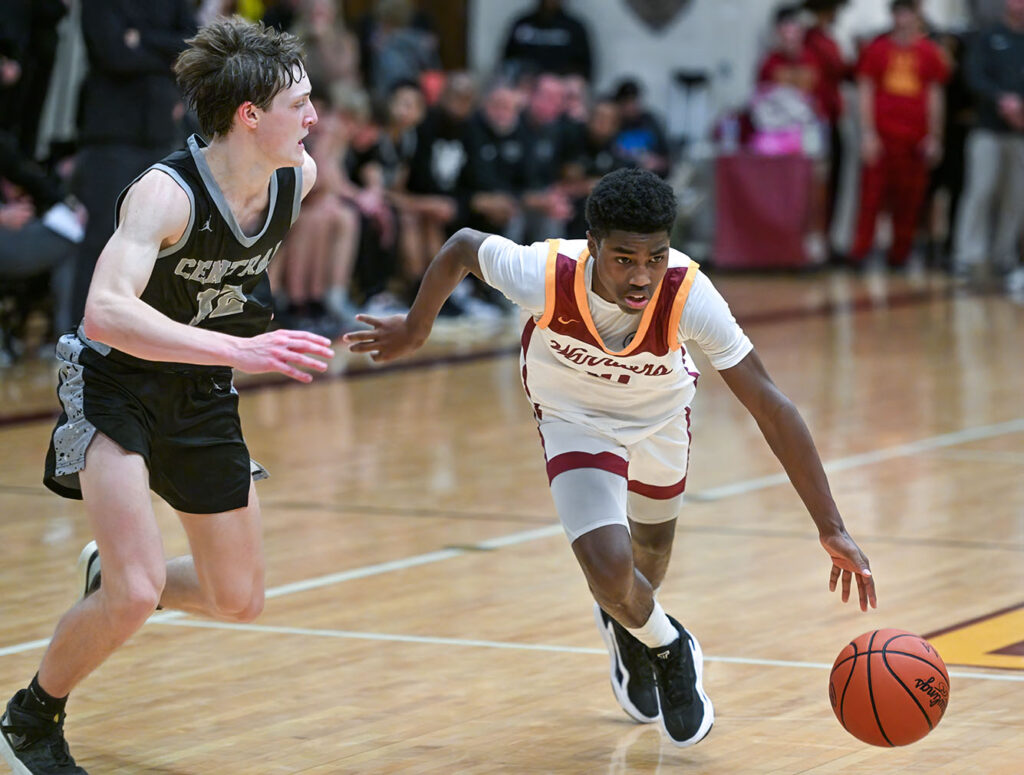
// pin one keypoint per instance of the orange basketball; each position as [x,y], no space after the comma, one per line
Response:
[888,687]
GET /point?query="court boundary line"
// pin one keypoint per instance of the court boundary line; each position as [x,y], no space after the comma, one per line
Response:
[842,464]
[511,645]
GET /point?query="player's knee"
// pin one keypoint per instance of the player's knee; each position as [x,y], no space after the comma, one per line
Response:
[132,601]
[609,571]
[237,602]
[654,541]
[254,608]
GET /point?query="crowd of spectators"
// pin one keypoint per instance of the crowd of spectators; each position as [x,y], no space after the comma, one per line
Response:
[409,152]
[934,111]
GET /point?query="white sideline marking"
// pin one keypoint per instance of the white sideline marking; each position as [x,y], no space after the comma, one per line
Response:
[749,485]
[495,644]
[870,458]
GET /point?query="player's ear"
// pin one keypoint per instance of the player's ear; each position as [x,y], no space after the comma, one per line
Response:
[593,244]
[247,115]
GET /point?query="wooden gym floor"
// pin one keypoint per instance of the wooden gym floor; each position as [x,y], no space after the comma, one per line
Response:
[425,614]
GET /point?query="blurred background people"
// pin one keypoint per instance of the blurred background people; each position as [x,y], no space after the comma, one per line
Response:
[832,70]
[548,40]
[899,77]
[641,137]
[129,110]
[991,212]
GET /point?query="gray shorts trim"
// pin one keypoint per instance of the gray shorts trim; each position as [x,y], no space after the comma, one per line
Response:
[71,439]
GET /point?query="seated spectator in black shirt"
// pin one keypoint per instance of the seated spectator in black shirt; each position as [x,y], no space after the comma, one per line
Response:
[641,138]
[496,171]
[441,152]
[597,156]
[551,144]
[548,40]
[39,226]
[499,169]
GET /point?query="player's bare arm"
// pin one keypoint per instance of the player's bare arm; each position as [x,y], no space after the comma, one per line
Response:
[787,435]
[155,215]
[399,335]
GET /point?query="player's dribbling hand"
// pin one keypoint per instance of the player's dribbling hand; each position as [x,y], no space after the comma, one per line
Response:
[849,561]
[283,351]
[389,338]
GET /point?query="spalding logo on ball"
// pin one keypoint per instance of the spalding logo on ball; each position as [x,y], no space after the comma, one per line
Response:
[889,687]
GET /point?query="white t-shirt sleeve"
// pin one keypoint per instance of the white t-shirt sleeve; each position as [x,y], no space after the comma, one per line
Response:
[518,271]
[708,321]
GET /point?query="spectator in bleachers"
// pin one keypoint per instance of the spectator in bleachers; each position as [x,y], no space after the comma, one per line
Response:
[899,77]
[422,218]
[126,111]
[39,225]
[312,272]
[832,69]
[496,171]
[548,40]
[378,265]
[332,50]
[784,112]
[436,172]
[441,144]
[596,156]
[790,63]
[397,47]
[947,177]
[577,98]
[641,138]
[994,70]
[551,144]
[28,43]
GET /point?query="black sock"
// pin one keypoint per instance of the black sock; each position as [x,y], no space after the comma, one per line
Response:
[36,698]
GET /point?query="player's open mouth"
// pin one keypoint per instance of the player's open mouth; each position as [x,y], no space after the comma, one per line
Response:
[636,300]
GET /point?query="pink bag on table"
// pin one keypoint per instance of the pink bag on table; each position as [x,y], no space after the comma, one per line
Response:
[778,142]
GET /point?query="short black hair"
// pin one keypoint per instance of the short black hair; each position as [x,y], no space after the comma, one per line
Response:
[787,13]
[633,200]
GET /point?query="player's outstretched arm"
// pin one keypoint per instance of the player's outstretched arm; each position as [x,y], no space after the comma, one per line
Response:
[154,215]
[399,335]
[788,437]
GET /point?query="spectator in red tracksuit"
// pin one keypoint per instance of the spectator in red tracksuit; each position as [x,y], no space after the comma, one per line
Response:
[899,80]
[833,69]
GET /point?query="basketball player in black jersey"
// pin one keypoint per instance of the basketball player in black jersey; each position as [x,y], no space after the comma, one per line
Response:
[179,297]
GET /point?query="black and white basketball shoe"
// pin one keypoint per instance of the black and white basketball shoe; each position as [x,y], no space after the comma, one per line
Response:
[631,674]
[686,711]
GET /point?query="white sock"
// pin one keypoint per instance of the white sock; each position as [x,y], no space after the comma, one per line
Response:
[657,631]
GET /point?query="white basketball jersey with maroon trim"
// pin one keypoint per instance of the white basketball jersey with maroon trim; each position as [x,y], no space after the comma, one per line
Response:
[570,373]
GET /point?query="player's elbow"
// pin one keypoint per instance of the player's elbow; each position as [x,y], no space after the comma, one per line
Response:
[99,322]
[465,244]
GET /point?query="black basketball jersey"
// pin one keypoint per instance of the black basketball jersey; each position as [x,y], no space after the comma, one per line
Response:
[215,276]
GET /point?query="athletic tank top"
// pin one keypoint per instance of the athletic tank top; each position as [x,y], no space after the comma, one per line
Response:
[215,276]
[570,373]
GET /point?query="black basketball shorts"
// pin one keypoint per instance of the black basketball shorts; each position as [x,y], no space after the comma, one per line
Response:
[183,422]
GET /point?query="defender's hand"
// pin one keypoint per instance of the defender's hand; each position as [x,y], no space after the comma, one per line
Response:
[283,351]
[390,338]
[848,561]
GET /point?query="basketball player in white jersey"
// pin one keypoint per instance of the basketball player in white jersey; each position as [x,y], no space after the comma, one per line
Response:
[605,367]
[179,297]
